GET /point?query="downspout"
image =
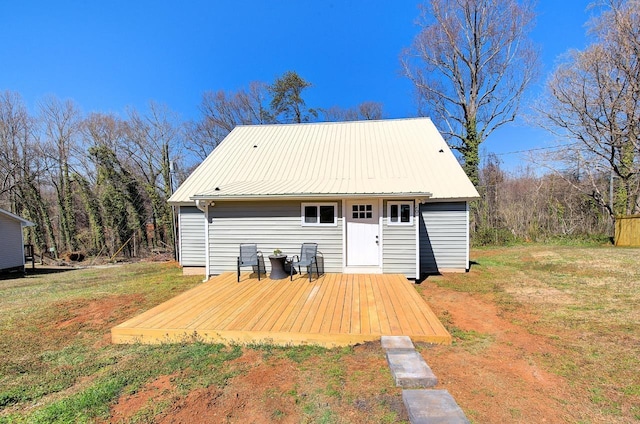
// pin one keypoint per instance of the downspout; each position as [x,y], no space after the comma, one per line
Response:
[467,244]
[417,216]
[203,205]
[344,235]
[24,263]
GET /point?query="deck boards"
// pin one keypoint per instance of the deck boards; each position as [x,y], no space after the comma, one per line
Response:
[334,310]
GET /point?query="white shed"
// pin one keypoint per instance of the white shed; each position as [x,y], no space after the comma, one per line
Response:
[11,241]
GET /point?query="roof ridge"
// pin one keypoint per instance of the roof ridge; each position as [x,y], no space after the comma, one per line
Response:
[360,121]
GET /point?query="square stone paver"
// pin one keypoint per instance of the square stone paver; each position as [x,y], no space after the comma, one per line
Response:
[409,369]
[396,342]
[432,407]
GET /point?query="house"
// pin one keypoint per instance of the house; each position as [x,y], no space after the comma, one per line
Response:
[11,241]
[383,196]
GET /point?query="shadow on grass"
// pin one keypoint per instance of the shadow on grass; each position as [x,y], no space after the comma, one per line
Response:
[37,271]
[425,276]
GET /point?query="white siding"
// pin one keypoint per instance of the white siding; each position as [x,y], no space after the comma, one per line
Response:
[398,247]
[444,238]
[192,230]
[271,225]
[11,247]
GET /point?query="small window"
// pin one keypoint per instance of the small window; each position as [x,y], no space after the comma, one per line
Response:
[362,211]
[311,214]
[319,214]
[400,213]
[327,214]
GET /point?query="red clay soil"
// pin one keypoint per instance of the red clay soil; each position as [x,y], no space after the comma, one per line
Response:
[502,380]
[268,391]
[81,317]
[251,397]
[494,371]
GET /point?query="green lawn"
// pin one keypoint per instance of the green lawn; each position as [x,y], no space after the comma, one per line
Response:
[57,364]
[583,303]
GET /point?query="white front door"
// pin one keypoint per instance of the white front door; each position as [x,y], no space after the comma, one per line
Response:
[363,233]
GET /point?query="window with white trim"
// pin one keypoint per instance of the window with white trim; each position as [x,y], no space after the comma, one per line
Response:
[319,214]
[362,211]
[400,213]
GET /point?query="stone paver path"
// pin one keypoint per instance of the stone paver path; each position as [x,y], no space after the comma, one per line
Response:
[410,371]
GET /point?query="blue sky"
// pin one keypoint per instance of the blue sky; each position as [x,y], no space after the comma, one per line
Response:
[110,55]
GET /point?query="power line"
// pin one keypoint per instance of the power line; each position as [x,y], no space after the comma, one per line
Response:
[536,149]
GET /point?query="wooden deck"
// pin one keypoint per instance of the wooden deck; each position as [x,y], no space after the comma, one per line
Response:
[335,310]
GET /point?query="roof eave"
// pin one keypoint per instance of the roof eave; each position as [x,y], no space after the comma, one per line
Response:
[15,217]
[454,199]
[290,196]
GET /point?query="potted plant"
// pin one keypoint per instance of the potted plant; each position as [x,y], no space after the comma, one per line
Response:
[277,252]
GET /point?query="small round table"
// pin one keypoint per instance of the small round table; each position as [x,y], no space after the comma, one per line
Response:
[277,267]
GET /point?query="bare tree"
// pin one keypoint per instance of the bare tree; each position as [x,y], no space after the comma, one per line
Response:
[470,65]
[61,125]
[22,169]
[221,112]
[593,100]
[151,141]
[364,111]
[14,132]
[107,130]
[525,205]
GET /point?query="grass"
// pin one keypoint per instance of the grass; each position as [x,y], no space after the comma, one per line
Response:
[57,364]
[586,299]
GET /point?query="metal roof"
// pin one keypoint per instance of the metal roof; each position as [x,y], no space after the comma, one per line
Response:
[390,158]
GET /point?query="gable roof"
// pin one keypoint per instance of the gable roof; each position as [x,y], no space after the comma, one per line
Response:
[391,158]
[23,222]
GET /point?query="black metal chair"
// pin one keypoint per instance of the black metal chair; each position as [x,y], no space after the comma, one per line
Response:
[250,256]
[308,257]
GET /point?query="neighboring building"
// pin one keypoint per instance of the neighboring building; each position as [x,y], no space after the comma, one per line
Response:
[11,241]
[382,196]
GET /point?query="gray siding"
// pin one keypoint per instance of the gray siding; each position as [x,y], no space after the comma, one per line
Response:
[271,225]
[11,248]
[192,232]
[398,247]
[444,237]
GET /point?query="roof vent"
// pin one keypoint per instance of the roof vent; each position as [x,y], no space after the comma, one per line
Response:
[255,145]
[441,151]
[217,189]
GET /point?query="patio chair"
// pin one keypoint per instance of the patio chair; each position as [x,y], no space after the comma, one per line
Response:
[308,257]
[250,256]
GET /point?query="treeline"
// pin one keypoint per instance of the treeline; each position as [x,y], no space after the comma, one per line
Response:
[98,183]
[529,206]
[94,183]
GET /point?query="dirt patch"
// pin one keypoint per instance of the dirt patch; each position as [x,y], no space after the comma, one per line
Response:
[494,369]
[156,392]
[85,317]
[98,313]
[369,384]
[262,392]
[355,388]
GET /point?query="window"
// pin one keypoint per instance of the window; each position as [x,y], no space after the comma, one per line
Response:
[400,213]
[362,211]
[319,214]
